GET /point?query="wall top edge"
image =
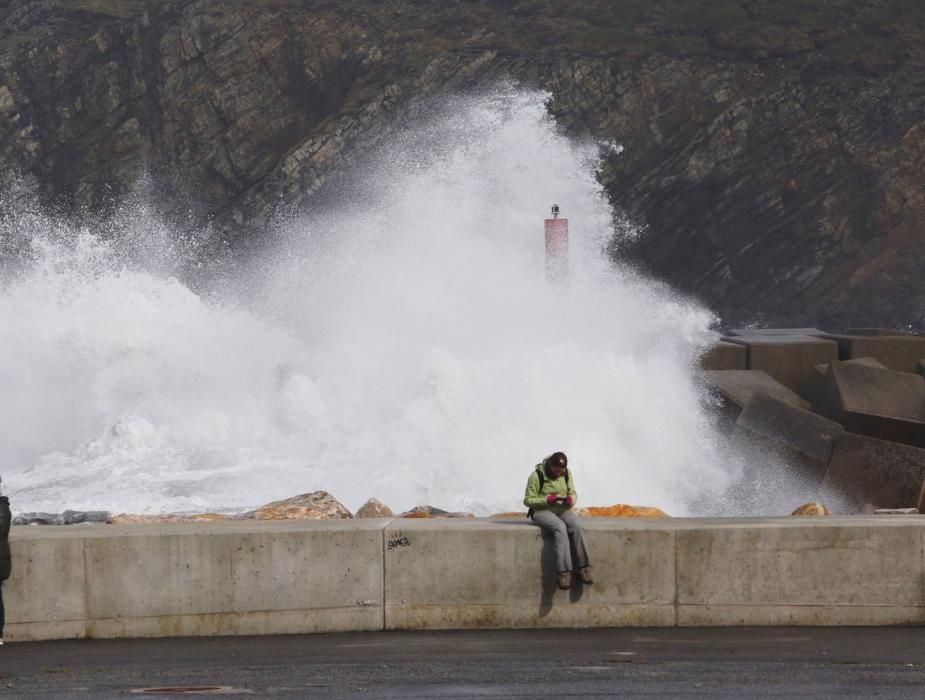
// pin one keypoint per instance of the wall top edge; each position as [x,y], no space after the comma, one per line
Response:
[31,532]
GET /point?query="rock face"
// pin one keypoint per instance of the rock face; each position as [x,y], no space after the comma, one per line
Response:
[772,151]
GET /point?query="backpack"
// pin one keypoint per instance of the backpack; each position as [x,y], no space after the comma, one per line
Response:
[542,473]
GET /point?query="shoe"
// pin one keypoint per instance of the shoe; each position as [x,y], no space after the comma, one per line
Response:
[565,580]
[585,576]
[1,642]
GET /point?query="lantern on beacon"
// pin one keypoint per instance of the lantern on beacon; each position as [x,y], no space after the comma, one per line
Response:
[556,248]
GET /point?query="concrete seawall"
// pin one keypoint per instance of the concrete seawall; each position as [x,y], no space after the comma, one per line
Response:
[342,575]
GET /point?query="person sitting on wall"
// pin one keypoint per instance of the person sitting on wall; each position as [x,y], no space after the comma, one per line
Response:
[550,496]
[5,558]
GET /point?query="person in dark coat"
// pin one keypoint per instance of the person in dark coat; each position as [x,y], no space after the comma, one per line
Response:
[5,558]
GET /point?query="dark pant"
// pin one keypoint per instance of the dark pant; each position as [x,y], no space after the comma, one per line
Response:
[563,527]
[2,613]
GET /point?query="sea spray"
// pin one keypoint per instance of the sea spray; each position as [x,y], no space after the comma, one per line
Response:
[399,342]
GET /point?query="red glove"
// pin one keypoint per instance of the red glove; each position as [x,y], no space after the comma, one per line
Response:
[568,501]
[551,498]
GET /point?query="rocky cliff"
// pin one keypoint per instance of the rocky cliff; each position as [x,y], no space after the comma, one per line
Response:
[773,149]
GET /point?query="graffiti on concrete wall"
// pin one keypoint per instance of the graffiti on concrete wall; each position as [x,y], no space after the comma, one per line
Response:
[398,541]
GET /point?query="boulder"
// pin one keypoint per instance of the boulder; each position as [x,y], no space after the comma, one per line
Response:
[723,355]
[787,358]
[431,512]
[803,438]
[129,518]
[509,514]
[877,402]
[37,519]
[734,388]
[813,386]
[374,508]
[900,353]
[68,517]
[812,509]
[621,510]
[318,505]
[872,471]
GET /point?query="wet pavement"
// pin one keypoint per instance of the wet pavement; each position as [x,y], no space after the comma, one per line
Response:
[790,662]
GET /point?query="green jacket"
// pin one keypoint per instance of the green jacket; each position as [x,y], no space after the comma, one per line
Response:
[535,497]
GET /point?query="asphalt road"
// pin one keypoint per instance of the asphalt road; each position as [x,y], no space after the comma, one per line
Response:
[666,663]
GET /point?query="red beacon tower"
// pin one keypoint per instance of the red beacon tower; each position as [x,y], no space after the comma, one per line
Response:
[556,248]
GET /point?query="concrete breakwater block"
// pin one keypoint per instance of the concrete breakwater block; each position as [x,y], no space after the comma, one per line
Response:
[900,353]
[876,402]
[723,355]
[868,470]
[799,435]
[896,511]
[789,359]
[735,388]
[813,388]
[739,385]
[878,332]
[869,381]
[773,331]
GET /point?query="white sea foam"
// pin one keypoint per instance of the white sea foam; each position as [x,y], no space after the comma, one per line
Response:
[401,342]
